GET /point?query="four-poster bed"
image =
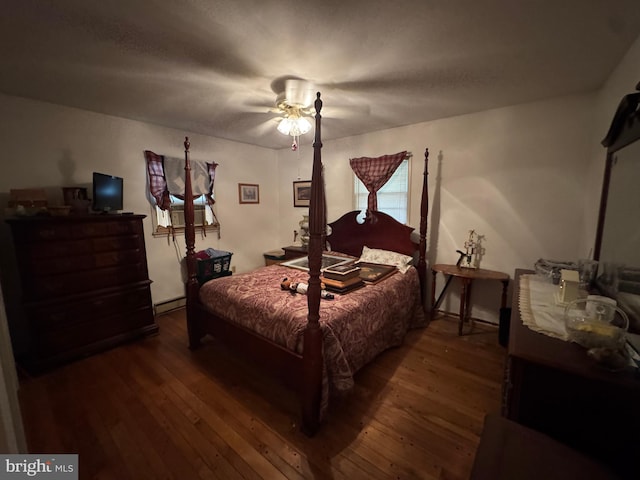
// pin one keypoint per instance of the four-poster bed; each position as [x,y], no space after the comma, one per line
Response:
[314,350]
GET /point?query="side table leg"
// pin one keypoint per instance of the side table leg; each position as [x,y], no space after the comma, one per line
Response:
[467,307]
[463,304]
[505,286]
[433,294]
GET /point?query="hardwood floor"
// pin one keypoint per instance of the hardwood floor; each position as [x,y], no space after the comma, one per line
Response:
[155,409]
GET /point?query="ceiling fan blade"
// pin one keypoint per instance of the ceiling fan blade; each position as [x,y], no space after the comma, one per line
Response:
[260,107]
[265,127]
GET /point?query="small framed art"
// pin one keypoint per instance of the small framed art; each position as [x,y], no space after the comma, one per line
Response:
[248,193]
[301,193]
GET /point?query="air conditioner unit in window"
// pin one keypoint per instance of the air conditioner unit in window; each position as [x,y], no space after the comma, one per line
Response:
[177,215]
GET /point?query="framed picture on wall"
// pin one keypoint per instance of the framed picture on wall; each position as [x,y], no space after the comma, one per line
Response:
[301,193]
[248,193]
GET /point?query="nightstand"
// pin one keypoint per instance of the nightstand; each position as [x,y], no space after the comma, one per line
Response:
[273,257]
[294,251]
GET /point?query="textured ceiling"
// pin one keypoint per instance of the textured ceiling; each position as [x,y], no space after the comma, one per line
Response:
[211,67]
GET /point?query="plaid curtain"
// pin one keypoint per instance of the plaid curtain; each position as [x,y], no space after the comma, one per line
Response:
[375,172]
[158,182]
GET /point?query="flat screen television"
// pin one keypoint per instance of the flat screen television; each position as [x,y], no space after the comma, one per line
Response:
[107,193]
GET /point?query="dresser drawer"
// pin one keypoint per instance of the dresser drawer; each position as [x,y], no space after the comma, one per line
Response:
[56,265]
[107,228]
[55,229]
[45,287]
[34,252]
[84,334]
[37,252]
[60,315]
[123,242]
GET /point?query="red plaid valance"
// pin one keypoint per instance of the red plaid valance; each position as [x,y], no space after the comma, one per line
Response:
[375,172]
[158,181]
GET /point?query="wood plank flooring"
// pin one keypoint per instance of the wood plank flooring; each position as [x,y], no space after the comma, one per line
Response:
[154,409]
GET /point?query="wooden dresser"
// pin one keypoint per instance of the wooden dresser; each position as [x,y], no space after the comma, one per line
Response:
[552,386]
[85,284]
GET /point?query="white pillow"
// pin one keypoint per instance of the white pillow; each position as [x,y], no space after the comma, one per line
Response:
[386,257]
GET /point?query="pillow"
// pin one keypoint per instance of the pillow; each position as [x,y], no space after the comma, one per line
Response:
[386,257]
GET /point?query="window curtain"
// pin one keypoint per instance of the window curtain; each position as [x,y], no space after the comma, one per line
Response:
[166,176]
[375,172]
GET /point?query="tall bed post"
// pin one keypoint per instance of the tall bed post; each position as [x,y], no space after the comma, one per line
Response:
[424,211]
[192,286]
[312,346]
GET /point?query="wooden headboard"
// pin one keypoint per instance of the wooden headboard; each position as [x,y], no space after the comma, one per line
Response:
[378,230]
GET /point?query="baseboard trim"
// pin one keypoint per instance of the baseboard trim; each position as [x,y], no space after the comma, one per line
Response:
[169,305]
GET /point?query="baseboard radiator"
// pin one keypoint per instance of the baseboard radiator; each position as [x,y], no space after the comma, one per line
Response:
[169,305]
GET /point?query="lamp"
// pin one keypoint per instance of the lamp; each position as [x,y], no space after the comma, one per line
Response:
[294,125]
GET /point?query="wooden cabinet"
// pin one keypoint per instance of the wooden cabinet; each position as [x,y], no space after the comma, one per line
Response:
[85,284]
[554,387]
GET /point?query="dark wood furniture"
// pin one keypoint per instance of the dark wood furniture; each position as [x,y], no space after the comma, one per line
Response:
[618,228]
[467,276]
[294,251]
[301,372]
[85,285]
[553,386]
[273,257]
[509,450]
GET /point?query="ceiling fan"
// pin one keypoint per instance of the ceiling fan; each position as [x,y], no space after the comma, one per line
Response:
[293,103]
[293,106]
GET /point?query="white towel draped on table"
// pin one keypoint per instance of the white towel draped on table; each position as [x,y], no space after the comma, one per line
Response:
[538,308]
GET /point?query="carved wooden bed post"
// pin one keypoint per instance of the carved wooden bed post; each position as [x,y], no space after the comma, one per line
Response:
[312,349]
[424,210]
[192,286]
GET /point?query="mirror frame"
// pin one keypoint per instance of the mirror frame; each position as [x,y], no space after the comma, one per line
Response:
[624,130]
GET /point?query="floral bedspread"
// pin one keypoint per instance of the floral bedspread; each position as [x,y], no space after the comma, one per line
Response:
[357,326]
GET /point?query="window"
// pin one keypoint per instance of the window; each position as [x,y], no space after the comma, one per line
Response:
[393,197]
[172,219]
[166,190]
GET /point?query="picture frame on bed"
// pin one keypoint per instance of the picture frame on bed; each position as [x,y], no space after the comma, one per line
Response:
[248,193]
[302,263]
[301,193]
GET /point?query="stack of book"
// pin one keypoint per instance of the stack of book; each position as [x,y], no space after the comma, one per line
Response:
[371,273]
[342,278]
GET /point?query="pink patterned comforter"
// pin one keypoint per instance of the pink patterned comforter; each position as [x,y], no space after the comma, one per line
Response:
[356,326]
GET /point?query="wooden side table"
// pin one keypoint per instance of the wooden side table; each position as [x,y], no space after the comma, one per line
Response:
[294,251]
[273,257]
[467,276]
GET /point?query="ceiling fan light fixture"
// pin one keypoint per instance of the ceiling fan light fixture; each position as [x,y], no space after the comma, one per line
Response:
[294,126]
